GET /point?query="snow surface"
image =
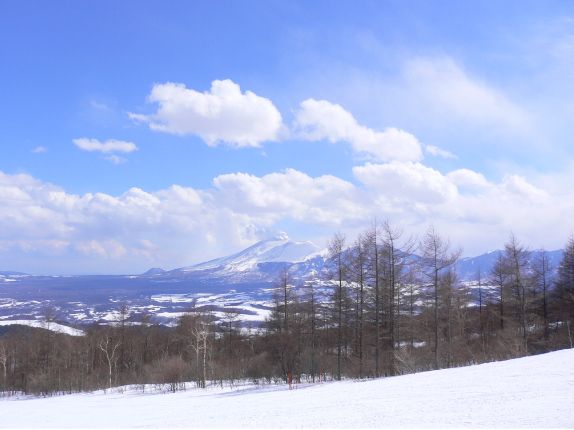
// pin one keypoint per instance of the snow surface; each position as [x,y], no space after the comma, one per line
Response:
[52,326]
[277,249]
[535,391]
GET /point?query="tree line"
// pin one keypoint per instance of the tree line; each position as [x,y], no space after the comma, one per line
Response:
[385,305]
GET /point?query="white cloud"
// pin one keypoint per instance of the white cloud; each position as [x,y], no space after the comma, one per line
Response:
[290,194]
[441,86]
[439,152]
[222,115]
[99,106]
[109,249]
[116,159]
[180,225]
[40,150]
[467,178]
[320,119]
[518,185]
[108,146]
[407,182]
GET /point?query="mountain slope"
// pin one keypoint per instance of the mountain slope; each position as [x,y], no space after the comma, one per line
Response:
[261,262]
[279,249]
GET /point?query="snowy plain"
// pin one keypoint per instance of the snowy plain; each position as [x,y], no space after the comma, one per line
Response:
[531,392]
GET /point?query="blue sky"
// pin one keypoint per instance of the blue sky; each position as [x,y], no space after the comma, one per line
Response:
[138,134]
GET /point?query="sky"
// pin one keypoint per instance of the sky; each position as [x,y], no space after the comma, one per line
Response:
[162,134]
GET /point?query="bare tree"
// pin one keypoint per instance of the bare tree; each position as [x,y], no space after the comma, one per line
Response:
[499,275]
[108,347]
[336,248]
[311,308]
[396,253]
[358,268]
[286,290]
[564,291]
[3,359]
[373,252]
[517,256]
[542,271]
[436,257]
[480,310]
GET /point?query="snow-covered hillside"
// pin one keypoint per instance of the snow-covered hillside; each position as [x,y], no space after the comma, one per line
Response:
[532,392]
[279,249]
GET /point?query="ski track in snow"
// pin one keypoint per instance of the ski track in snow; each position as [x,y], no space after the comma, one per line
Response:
[531,392]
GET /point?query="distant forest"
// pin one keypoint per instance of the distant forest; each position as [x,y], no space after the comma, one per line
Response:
[386,314]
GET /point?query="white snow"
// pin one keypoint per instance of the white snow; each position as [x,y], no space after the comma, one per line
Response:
[277,249]
[532,392]
[55,327]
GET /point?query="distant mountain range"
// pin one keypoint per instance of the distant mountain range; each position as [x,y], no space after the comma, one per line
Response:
[468,268]
[241,281]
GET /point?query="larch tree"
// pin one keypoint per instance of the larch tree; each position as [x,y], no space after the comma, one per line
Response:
[542,272]
[436,258]
[373,250]
[336,248]
[517,260]
[498,276]
[396,252]
[564,292]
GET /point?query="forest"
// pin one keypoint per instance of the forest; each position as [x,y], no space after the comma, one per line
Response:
[389,305]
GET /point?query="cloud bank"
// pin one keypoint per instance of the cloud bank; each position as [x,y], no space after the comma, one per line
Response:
[180,225]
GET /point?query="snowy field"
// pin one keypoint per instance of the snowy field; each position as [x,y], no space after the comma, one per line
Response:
[532,392]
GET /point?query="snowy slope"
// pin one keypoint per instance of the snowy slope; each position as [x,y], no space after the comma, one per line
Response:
[532,392]
[277,249]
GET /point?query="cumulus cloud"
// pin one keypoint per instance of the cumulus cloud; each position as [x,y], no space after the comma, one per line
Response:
[291,194]
[171,227]
[223,114]
[106,147]
[180,225]
[518,185]
[320,119]
[466,178]
[407,181]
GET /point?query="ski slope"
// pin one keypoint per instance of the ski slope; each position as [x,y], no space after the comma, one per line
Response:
[532,392]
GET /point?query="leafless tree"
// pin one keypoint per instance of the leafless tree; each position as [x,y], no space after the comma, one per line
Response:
[373,259]
[109,347]
[517,256]
[396,252]
[3,359]
[200,343]
[499,275]
[336,248]
[436,257]
[542,270]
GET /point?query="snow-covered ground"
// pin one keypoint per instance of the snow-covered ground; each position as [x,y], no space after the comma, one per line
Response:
[532,392]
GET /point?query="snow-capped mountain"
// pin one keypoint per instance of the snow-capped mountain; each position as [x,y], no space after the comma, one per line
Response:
[262,261]
[279,249]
